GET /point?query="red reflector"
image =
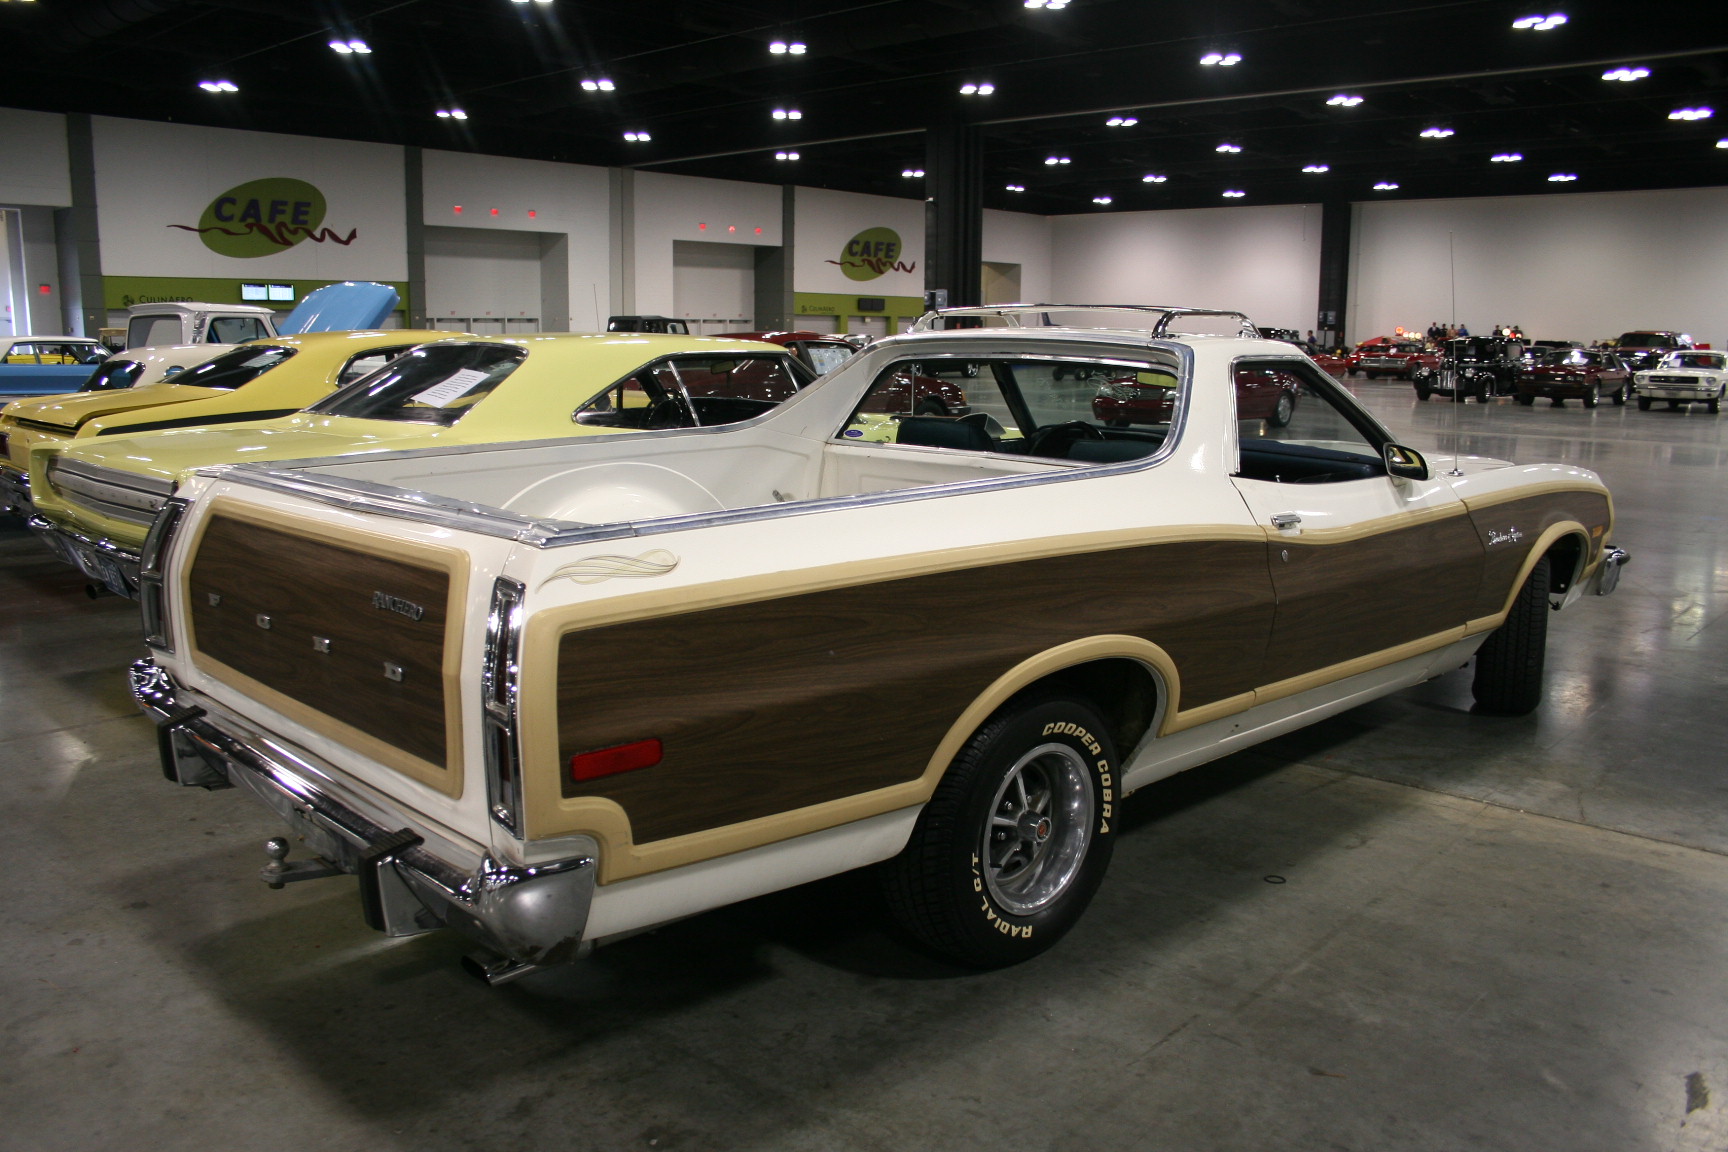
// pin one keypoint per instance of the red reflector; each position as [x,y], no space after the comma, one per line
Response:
[611,761]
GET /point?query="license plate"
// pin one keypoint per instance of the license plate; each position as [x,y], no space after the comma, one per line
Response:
[102,570]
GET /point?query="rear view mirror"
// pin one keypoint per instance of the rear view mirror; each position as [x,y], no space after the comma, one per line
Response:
[1405,463]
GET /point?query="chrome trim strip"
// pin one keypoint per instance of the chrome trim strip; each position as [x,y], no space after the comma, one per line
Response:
[499,693]
[1012,314]
[152,577]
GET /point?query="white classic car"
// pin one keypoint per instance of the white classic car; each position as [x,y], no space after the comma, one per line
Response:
[553,694]
[1695,376]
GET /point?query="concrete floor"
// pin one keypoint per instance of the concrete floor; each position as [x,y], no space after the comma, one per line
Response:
[1407,928]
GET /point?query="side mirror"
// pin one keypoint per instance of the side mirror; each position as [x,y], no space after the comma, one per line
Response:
[1405,463]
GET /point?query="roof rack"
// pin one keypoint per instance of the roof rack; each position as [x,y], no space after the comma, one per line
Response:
[1016,315]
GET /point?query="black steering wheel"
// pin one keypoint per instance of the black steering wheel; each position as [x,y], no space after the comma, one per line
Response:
[671,412]
[1055,439]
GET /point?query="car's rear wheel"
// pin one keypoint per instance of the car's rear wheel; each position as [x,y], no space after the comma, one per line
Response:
[1014,842]
[930,407]
[1282,411]
[1620,395]
[1510,663]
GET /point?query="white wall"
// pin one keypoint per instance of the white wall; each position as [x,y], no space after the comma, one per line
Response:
[1571,267]
[483,273]
[33,159]
[714,285]
[672,208]
[826,221]
[1024,239]
[565,198]
[150,176]
[1262,261]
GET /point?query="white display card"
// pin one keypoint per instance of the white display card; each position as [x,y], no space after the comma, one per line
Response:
[450,388]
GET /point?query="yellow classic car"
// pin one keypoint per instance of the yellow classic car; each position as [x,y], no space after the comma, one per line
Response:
[253,381]
[95,498]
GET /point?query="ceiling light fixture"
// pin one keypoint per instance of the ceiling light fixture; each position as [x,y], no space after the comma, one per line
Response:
[787,114]
[1055,159]
[1022,187]
[1153,178]
[785,155]
[351,47]
[1435,133]
[784,48]
[1121,122]
[1691,114]
[1048,5]
[1385,186]
[911,173]
[1101,200]
[1228,147]
[1221,59]
[1343,100]
[1562,177]
[638,137]
[1234,193]
[1539,23]
[451,114]
[1626,74]
[1317,168]
[218,86]
[600,84]
[977,89]
[1722,143]
[1506,157]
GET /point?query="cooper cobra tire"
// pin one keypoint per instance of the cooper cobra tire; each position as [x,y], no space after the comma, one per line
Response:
[1510,662]
[1643,403]
[1014,842]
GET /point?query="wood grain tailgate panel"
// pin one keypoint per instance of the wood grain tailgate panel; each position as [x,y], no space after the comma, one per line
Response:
[315,589]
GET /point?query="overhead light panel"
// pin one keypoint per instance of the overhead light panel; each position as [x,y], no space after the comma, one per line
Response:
[1234,194]
[1722,143]
[1539,23]
[1121,122]
[1343,100]
[1048,5]
[1506,157]
[637,137]
[977,89]
[1101,200]
[1228,147]
[785,155]
[1691,114]
[911,173]
[351,47]
[1562,177]
[1317,168]
[1055,159]
[1022,187]
[599,84]
[451,114]
[1221,59]
[1625,75]
[218,86]
[787,48]
[1436,133]
[1153,178]
[787,114]
[1386,186]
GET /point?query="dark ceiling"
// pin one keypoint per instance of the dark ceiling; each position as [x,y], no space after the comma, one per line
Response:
[700,79]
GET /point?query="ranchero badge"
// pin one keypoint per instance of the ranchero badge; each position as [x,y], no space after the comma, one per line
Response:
[397,605]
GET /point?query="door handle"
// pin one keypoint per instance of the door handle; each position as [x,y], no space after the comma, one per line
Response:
[1285,521]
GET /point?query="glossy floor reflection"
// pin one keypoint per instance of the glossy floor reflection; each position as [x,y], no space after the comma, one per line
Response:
[1410,927]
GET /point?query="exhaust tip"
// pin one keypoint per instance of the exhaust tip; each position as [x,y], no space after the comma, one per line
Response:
[495,969]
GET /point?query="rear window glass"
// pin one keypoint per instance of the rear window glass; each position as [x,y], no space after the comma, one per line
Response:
[143,331]
[232,369]
[237,329]
[437,384]
[114,374]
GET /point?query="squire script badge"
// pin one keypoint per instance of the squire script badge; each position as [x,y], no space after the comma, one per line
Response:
[397,605]
[1510,536]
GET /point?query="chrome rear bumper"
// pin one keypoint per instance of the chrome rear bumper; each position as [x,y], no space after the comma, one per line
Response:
[533,915]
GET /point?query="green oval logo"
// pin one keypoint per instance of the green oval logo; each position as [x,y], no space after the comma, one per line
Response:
[871,253]
[264,217]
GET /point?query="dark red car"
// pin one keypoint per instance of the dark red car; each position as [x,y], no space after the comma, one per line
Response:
[1338,366]
[928,395]
[1575,373]
[1400,359]
[1261,394]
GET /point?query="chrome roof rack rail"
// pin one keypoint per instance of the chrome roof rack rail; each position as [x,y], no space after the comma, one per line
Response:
[1018,315]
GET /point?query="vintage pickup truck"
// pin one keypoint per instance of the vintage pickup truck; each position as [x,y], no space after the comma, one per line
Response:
[555,693]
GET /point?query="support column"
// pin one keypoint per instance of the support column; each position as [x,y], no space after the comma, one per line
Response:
[621,252]
[954,213]
[79,234]
[1335,216]
[414,207]
[776,308]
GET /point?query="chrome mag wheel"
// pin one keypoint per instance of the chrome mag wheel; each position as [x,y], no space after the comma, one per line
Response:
[1040,826]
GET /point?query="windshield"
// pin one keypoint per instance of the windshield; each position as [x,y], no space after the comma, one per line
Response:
[232,369]
[827,357]
[436,384]
[1696,360]
[1571,358]
[114,374]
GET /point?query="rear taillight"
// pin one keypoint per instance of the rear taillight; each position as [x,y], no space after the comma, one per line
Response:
[499,679]
[612,761]
[152,575]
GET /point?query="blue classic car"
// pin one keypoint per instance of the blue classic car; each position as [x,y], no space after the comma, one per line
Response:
[42,365]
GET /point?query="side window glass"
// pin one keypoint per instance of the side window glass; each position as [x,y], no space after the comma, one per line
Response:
[366,363]
[21,354]
[236,329]
[1293,429]
[694,391]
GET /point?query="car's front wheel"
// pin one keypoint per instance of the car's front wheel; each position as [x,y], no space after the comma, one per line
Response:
[1014,842]
[1593,395]
[1527,398]
[1620,395]
[1510,663]
[1643,403]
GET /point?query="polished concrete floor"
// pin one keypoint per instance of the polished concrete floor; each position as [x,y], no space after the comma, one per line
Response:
[1410,927]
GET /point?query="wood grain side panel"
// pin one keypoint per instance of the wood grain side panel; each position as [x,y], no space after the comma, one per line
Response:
[1529,517]
[1339,601]
[315,589]
[776,705]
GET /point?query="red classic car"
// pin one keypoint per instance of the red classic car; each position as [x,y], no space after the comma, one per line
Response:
[1400,359]
[821,353]
[1149,398]
[1575,373]
[1338,366]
